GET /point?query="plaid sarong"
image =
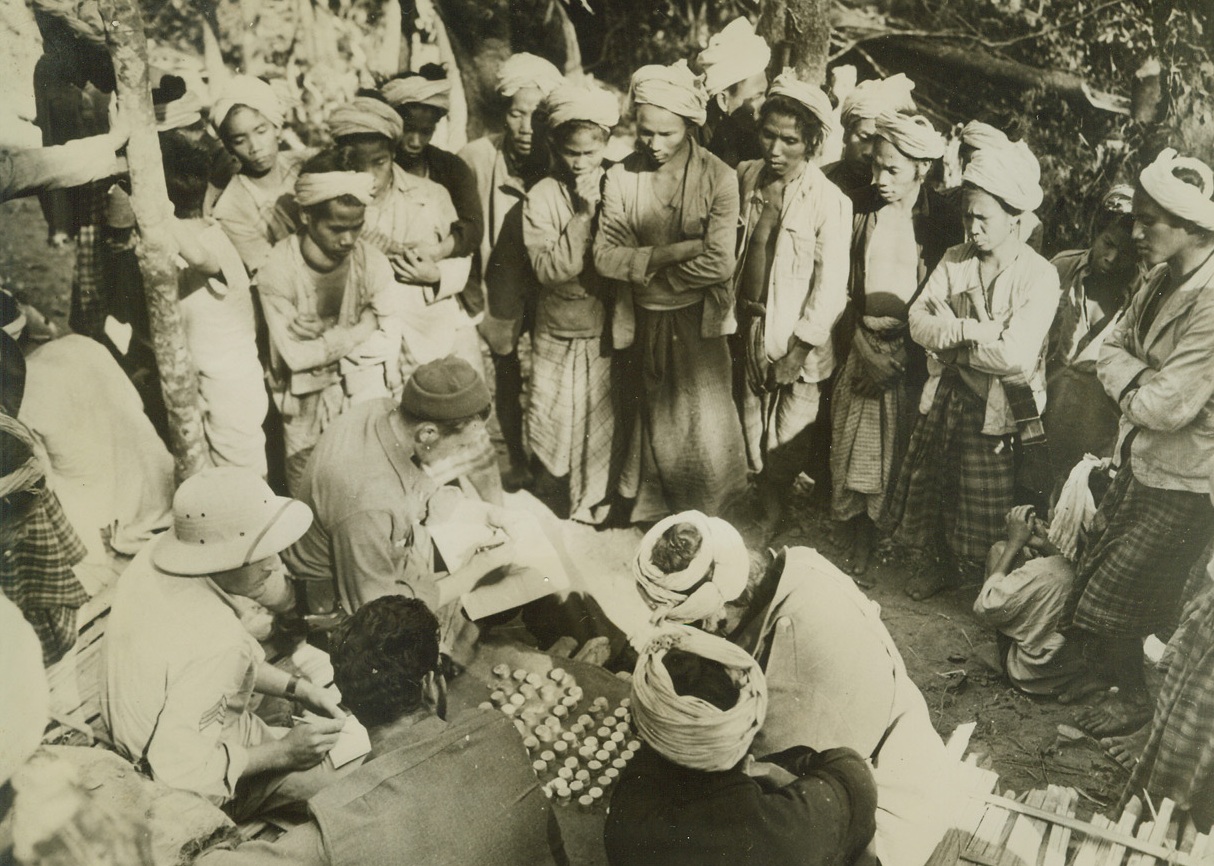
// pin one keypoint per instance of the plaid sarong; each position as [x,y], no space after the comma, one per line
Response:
[89,304]
[870,437]
[571,419]
[1129,578]
[36,575]
[1178,760]
[956,484]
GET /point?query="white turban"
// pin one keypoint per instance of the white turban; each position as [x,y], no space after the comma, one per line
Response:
[979,135]
[1010,173]
[717,574]
[1174,195]
[573,101]
[810,95]
[912,134]
[686,729]
[526,70]
[248,91]
[179,113]
[877,96]
[364,115]
[733,55]
[675,88]
[416,90]
[312,188]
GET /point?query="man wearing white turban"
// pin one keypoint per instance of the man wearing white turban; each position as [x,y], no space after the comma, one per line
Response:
[1158,364]
[422,99]
[255,209]
[667,234]
[983,316]
[858,113]
[735,75]
[791,286]
[321,290]
[571,416]
[688,798]
[900,230]
[505,166]
[834,675]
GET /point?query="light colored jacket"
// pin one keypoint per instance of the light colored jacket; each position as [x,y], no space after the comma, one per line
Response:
[1023,298]
[708,210]
[1164,382]
[807,287]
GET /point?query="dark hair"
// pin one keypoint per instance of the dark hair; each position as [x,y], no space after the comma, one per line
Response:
[170,89]
[187,168]
[1010,124]
[676,548]
[566,130]
[1106,219]
[233,112]
[330,159]
[696,676]
[1007,208]
[381,656]
[808,126]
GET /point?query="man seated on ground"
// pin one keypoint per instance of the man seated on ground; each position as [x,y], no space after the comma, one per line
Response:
[692,797]
[378,483]
[459,792]
[180,668]
[1028,580]
[835,676]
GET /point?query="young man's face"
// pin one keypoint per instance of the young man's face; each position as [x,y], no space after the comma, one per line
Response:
[255,580]
[1157,237]
[581,151]
[375,158]
[519,131]
[661,134]
[250,138]
[420,122]
[859,139]
[784,149]
[334,227]
[895,175]
[747,93]
[987,224]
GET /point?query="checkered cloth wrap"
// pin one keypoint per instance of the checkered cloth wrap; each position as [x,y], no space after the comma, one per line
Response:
[870,437]
[1178,760]
[36,575]
[954,485]
[90,297]
[571,419]
[1143,541]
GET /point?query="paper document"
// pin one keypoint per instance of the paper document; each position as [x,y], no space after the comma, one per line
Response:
[537,570]
[352,743]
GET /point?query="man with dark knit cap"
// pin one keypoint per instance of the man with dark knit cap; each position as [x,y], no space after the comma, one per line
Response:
[381,474]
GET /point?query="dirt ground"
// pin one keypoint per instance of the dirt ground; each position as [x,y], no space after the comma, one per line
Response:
[949,655]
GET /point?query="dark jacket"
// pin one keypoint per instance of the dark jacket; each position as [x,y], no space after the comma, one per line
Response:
[667,814]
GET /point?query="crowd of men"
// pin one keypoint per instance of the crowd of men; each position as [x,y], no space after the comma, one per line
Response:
[705,320]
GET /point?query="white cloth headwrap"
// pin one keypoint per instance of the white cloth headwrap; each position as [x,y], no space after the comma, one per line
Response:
[1010,173]
[688,730]
[717,574]
[365,115]
[876,96]
[979,135]
[810,95]
[416,90]
[1174,195]
[573,101]
[733,55]
[912,134]
[312,188]
[1076,507]
[527,70]
[675,88]
[249,91]
[179,113]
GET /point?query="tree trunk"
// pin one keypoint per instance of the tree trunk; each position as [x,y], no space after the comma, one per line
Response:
[798,32]
[128,48]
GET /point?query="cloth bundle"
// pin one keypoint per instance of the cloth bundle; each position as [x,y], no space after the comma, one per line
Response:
[1076,508]
[810,95]
[876,96]
[688,730]
[364,115]
[1009,172]
[524,70]
[912,134]
[572,101]
[251,92]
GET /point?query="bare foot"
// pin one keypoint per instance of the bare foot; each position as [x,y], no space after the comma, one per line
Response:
[1081,687]
[926,583]
[1114,716]
[1126,750]
[841,538]
[862,549]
